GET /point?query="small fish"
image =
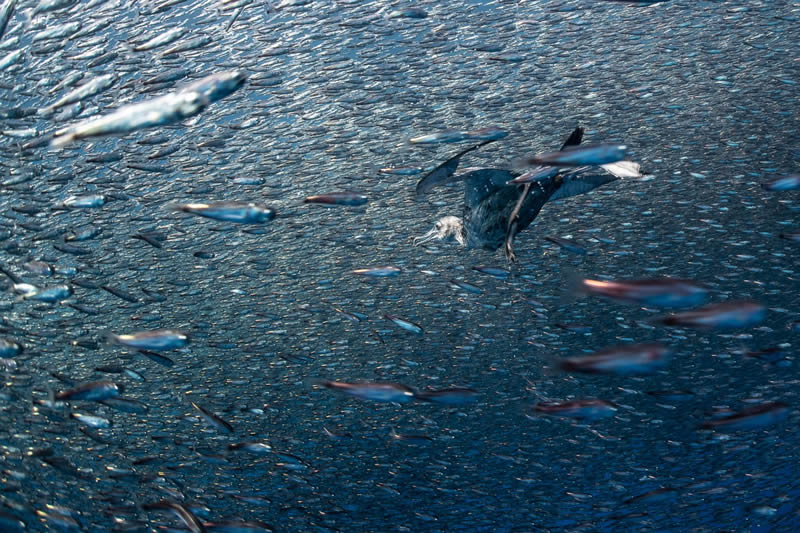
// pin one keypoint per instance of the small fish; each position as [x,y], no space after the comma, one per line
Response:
[49,294]
[9,348]
[755,417]
[579,409]
[6,10]
[256,448]
[464,286]
[155,340]
[96,422]
[190,44]
[87,90]
[213,420]
[497,272]
[568,245]
[401,171]
[94,391]
[216,86]
[409,12]
[347,198]
[38,267]
[786,183]
[659,292]
[671,395]
[378,272]
[405,324]
[376,392]
[162,360]
[727,315]
[587,154]
[92,200]
[238,212]
[492,133]
[657,495]
[793,236]
[165,38]
[629,360]
[454,396]
[447,136]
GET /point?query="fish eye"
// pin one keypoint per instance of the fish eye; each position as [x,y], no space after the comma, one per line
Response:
[438,225]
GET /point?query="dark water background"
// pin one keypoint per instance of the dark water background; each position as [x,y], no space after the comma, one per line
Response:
[703,93]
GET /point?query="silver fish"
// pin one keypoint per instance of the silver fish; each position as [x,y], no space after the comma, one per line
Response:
[155,340]
[376,392]
[405,324]
[578,156]
[239,212]
[658,292]
[157,112]
[378,272]
[347,198]
[786,183]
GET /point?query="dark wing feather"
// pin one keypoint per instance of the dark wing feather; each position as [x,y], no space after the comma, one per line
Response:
[574,138]
[576,183]
[440,174]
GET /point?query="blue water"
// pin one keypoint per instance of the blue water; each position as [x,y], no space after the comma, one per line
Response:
[703,94]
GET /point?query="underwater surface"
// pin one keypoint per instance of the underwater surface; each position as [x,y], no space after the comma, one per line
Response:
[190,342]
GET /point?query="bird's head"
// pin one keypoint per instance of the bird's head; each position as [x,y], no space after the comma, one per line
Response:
[447,229]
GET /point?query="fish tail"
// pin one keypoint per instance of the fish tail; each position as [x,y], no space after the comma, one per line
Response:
[575,287]
[61,140]
[109,337]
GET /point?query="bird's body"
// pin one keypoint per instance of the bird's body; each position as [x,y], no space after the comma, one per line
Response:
[496,210]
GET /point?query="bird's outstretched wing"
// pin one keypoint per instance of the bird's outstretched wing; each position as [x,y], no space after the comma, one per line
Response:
[443,172]
[576,183]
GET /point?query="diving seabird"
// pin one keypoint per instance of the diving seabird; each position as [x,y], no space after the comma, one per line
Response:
[496,210]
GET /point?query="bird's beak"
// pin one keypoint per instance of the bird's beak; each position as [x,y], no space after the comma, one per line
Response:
[431,235]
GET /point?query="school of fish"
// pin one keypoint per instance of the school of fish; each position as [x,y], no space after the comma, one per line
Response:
[217,313]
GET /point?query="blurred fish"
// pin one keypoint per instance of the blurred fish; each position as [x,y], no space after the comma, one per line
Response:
[567,244]
[628,360]
[401,171]
[727,315]
[658,292]
[409,12]
[94,391]
[239,212]
[447,136]
[379,272]
[454,396]
[580,409]
[756,417]
[156,340]
[786,183]
[6,10]
[337,198]
[376,392]
[587,155]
